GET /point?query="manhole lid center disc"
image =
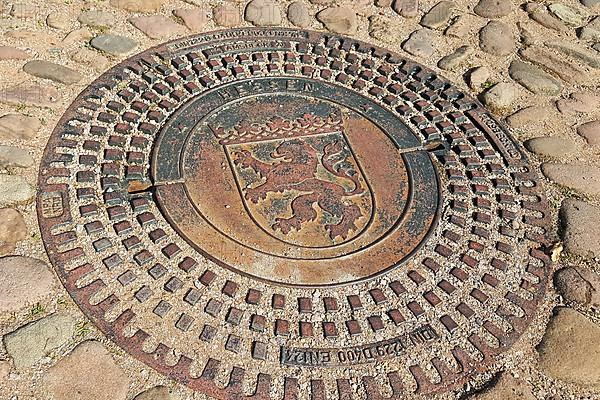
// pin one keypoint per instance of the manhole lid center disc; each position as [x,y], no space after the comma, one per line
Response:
[275,212]
[295,181]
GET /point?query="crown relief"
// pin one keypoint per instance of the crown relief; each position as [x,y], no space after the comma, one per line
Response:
[279,128]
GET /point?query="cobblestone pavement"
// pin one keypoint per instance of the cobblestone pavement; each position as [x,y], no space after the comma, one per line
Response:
[534,65]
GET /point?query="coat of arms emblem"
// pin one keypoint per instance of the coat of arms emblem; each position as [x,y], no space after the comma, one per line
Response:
[298,178]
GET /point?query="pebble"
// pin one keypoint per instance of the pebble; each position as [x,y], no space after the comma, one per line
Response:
[528,115]
[77,375]
[54,72]
[534,79]
[155,393]
[506,388]
[14,190]
[580,102]
[25,281]
[227,15]
[138,5]
[12,230]
[30,343]
[263,13]
[194,18]
[97,19]
[494,8]
[570,349]
[157,26]
[439,15]
[298,14]
[577,52]
[420,43]
[456,59]
[24,10]
[29,95]
[580,223]
[580,177]
[539,13]
[78,35]
[554,146]
[568,15]
[406,8]
[113,44]
[383,3]
[19,127]
[573,287]
[497,38]
[500,97]
[567,71]
[590,131]
[339,19]
[11,156]
[58,20]
[12,53]
[91,58]
[591,31]
[478,77]
[596,47]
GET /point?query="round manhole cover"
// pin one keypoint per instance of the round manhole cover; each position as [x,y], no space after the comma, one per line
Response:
[275,212]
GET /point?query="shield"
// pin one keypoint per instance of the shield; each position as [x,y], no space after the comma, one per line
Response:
[299,179]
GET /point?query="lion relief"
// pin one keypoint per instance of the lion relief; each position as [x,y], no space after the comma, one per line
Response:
[295,167]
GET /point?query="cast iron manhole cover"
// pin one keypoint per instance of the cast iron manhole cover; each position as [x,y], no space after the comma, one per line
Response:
[281,214]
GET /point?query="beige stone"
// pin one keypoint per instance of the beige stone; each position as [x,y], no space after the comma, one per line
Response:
[25,281]
[12,230]
[87,373]
[570,349]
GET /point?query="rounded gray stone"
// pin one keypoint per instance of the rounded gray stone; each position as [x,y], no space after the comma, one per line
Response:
[494,8]
[439,15]
[263,13]
[11,156]
[534,78]
[30,343]
[25,281]
[55,72]
[580,223]
[568,15]
[501,97]
[420,43]
[570,349]
[298,14]
[497,38]
[14,190]
[580,177]
[114,44]
[99,19]
[456,59]
[590,131]
[572,286]
[19,127]
[554,146]
[339,19]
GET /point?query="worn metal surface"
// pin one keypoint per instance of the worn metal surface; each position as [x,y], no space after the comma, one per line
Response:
[290,214]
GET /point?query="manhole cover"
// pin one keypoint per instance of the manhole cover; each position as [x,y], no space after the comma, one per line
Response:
[280,213]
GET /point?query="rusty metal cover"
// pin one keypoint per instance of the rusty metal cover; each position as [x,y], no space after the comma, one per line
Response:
[269,213]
